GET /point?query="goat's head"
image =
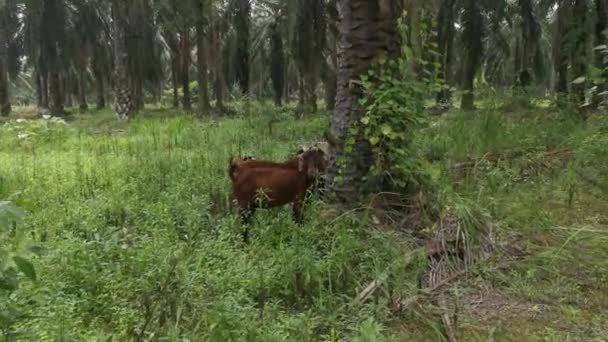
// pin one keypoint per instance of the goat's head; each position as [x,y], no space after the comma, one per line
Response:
[312,161]
[322,145]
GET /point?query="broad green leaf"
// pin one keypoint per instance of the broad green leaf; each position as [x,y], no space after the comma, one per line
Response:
[386,130]
[579,80]
[374,141]
[25,266]
[365,120]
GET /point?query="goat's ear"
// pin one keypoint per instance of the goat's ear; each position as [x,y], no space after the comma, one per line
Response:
[323,147]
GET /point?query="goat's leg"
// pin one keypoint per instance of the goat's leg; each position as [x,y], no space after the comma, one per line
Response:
[246,215]
[298,215]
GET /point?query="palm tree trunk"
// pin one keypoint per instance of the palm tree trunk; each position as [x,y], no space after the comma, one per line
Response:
[330,84]
[65,90]
[301,93]
[36,79]
[601,38]
[158,92]
[201,56]
[277,64]
[138,91]
[124,100]
[473,35]
[218,66]
[55,96]
[100,85]
[310,86]
[82,92]
[174,80]
[330,74]
[185,68]
[43,88]
[445,39]
[531,32]
[367,30]
[52,27]
[242,24]
[601,27]
[580,60]
[5,105]
[561,48]
[468,98]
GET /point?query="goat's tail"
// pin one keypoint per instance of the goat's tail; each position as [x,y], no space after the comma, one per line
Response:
[232,169]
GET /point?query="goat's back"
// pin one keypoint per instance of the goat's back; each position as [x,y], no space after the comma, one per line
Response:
[279,185]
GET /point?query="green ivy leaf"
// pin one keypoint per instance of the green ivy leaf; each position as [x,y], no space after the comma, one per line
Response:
[374,141]
[386,130]
[365,120]
[25,266]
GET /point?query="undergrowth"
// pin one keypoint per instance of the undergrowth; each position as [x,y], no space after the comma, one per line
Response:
[139,239]
[542,177]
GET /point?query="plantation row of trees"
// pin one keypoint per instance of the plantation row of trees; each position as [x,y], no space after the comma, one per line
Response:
[73,50]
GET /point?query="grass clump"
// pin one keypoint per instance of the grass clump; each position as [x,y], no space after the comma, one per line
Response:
[139,240]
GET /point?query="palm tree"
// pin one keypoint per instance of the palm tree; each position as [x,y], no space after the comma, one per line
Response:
[580,56]
[601,38]
[472,35]
[601,27]
[48,20]
[125,106]
[84,27]
[8,26]
[217,28]
[202,55]
[144,50]
[368,30]
[185,48]
[561,46]
[242,22]
[331,59]
[308,42]
[445,37]
[529,40]
[32,36]
[101,66]
[277,63]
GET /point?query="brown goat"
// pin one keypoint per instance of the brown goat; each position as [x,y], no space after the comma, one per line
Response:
[266,184]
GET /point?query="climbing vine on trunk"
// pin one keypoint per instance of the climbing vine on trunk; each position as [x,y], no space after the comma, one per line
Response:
[394,97]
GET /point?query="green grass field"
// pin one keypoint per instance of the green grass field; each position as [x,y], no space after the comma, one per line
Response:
[140,241]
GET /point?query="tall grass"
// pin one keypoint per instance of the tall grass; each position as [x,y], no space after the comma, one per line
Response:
[141,240]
